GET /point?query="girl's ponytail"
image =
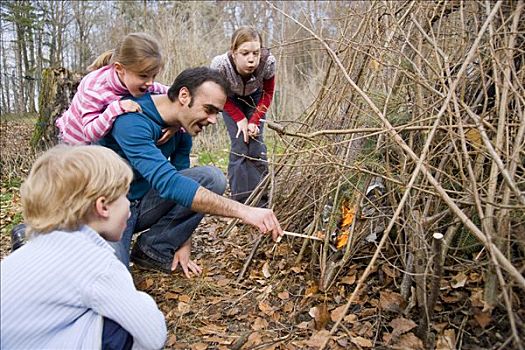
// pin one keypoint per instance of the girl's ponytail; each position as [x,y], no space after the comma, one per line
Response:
[103,60]
[138,52]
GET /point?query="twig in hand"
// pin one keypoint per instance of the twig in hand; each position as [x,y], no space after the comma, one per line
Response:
[288,233]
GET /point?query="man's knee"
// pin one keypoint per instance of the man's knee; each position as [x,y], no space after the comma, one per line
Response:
[217,180]
[209,177]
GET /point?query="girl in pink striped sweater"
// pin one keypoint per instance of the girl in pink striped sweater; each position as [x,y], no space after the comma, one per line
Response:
[130,69]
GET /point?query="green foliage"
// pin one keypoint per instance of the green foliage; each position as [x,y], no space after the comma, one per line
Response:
[11,214]
[218,158]
[19,117]
[464,241]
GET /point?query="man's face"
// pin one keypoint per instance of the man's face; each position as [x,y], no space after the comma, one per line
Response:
[208,101]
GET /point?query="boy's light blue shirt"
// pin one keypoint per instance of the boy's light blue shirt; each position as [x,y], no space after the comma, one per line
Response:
[57,287]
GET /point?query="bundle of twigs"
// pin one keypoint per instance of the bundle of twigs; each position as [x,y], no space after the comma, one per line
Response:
[429,99]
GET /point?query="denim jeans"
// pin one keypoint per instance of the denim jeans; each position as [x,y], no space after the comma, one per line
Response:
[114,337]
[168,224]
[244,174]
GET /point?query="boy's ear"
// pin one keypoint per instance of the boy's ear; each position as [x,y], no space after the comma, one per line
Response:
[101,207]
[184,96]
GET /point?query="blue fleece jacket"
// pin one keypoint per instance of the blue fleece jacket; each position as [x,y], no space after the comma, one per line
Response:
[134,137]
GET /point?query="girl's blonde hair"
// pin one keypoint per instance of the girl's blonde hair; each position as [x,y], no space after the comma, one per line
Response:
[65,182]
[243,35]
[138,52]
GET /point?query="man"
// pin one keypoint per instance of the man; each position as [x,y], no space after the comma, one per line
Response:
[169,198]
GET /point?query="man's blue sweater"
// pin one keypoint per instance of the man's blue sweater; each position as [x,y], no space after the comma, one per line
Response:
[134,137]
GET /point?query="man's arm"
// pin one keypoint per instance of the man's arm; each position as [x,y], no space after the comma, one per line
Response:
[206,201]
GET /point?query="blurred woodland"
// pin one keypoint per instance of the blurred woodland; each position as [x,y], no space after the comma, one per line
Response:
[52,33]
[397,140]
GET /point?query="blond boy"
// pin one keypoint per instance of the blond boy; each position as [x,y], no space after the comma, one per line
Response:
[65,288]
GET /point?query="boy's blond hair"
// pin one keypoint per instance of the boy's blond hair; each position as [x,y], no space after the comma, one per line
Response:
[65,182]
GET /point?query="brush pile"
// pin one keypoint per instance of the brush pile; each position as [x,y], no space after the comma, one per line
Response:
[413,154]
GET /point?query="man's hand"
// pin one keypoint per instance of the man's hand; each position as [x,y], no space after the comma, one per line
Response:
[182,256]
[242,126]
[253,130]
[167,133]
[264,219]
[129,106]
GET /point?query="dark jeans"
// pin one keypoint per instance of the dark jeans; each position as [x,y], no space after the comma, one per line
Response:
[244,174]
[169,224]
[114,337]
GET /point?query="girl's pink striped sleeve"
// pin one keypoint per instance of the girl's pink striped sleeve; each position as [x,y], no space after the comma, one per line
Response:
[96,125]
[158,88]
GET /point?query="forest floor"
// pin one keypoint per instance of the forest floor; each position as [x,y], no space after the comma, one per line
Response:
[278,305]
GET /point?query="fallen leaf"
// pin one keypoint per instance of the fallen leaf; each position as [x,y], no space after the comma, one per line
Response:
[297,269]
[146,284]
[342,239]
[283,295]
[410,341]
[171,340]
[390,301]
[483,318]
[348,216]
[320,315]
[342,342]
[199,346]
[303,325]
[171,296]
[253,340]
[265,308]
[337,313]
[259,324]
[183,308]
[447,340]
[390,271]
[373,64]
[459,280]
[363,342]
[402,325]
[348,279]
[451,298]
[317,339]
[212,329]
[314,312]
[233,311]
[311,290]
[219,340]
[288,306]
[474,137]
[223,282]
[351,318]
[184,298]
[387,337]
[266,270]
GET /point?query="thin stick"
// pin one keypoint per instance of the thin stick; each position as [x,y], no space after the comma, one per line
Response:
[288,233]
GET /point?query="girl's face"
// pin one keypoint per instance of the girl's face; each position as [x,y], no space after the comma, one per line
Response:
[136,83]
[247,57]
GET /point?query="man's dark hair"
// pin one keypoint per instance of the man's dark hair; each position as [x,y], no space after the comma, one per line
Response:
[193,78]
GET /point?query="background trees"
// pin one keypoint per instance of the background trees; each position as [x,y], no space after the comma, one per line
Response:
[56,33]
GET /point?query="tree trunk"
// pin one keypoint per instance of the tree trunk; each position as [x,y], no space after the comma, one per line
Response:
[58,88]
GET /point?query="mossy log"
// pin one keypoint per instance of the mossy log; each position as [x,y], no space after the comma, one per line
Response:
[58,88]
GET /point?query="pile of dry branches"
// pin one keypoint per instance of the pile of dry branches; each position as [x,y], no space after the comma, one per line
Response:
[423,101]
